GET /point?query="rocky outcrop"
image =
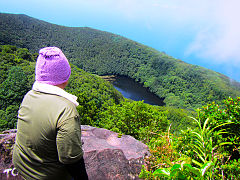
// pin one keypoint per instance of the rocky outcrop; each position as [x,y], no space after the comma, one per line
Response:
[107,156]
[7,171]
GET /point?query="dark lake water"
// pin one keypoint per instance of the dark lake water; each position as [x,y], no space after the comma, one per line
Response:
[135,91]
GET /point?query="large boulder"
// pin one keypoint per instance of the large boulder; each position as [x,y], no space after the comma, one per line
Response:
[107,155]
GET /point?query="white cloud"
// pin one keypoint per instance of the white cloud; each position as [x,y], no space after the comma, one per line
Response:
[214,24]
[219,40]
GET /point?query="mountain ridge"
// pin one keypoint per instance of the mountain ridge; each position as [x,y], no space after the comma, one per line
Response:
[100,52]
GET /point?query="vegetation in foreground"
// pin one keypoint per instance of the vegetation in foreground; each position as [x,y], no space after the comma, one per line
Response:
[211,150]
[205,146]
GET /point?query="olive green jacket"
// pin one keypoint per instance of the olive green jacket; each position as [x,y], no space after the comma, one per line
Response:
[48,134]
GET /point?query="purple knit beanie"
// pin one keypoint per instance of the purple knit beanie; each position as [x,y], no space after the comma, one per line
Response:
[52,66]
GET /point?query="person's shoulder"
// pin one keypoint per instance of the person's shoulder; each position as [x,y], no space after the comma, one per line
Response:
[68,109]
[61,105]
[65,104]
[51,99]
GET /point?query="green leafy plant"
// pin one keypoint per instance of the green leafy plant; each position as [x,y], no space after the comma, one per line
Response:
[232,169]
[163,155]
[184,171]
[205,143]
[228,112]
[204,150]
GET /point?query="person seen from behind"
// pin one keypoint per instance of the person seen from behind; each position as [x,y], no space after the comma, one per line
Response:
[48,141]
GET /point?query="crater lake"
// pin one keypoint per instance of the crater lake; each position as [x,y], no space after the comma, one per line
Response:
[133,90]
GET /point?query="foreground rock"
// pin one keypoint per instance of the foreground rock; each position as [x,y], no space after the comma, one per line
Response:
[106,155]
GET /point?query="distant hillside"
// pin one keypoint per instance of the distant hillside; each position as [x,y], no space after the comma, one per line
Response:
[180,84]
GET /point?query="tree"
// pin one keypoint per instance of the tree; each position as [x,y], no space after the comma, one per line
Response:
[24,54]
[13,88]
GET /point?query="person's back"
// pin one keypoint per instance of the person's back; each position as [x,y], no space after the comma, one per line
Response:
[48,141]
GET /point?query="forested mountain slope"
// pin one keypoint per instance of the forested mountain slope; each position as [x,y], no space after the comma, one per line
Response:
[180,84]
[100,104]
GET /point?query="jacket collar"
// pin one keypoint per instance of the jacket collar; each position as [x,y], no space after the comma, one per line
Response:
[51,89]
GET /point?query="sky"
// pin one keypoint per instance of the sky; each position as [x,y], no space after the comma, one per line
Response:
[199,32]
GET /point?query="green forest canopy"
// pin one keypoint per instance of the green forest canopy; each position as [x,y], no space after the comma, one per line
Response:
[178,83]
[103,106]
[100,104]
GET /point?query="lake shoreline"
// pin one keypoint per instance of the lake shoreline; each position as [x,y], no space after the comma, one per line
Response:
[131,89]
